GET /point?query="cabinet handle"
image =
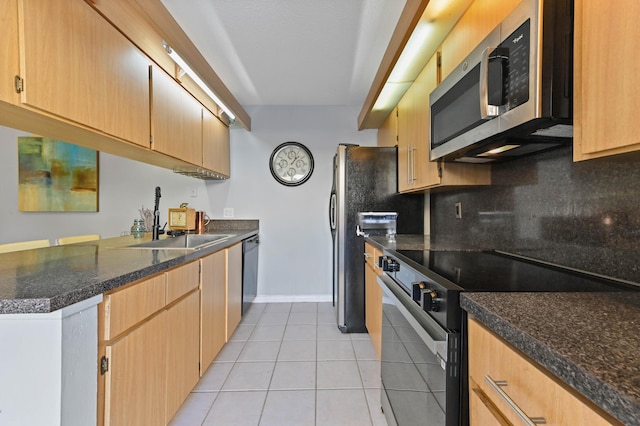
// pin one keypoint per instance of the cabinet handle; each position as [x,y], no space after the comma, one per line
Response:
[408,164]
[413,164]
[497,386]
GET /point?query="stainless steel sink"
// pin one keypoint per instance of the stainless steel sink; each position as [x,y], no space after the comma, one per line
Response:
[183,242]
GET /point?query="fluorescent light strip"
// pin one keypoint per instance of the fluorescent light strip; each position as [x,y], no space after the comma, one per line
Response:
[191,73]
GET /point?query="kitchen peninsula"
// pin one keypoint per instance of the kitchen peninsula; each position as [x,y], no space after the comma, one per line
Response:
[49,319]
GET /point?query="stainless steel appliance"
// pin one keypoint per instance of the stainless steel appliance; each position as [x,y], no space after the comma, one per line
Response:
[424,363]
[512,95]
[249,271]
[364,180]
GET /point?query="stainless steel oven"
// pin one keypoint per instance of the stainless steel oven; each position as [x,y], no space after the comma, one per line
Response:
[420,365]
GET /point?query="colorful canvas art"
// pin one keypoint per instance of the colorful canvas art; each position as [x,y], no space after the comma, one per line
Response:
[56,176]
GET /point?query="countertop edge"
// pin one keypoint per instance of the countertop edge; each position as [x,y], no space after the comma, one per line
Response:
[592,388]
[48,305]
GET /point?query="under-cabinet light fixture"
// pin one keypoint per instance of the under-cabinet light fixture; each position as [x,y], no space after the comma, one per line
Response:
[191,73]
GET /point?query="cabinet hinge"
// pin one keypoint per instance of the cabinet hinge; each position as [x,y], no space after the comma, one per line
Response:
[104,365]
[19,83]
[440,169]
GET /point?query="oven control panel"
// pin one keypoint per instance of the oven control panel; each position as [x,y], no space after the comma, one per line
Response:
[427,293]
[426,296]
[388,264]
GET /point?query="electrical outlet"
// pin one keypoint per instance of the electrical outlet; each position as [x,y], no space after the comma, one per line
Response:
[458,210]
[227,212]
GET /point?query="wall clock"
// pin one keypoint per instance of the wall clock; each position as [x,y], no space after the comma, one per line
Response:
[291,163]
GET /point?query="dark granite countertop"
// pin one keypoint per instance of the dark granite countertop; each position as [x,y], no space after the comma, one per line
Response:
[47,279]
[591,341]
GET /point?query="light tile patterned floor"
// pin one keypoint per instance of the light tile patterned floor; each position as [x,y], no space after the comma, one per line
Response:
[288,364]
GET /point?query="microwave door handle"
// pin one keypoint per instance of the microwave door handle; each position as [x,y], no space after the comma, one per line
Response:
[487,111]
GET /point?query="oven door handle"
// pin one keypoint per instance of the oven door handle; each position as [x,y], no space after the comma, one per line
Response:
[432,334]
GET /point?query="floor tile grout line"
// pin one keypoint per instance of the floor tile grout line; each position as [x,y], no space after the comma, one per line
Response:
[264,403]
[317,342]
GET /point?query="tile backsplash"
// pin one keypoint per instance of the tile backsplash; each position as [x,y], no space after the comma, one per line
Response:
[583,215]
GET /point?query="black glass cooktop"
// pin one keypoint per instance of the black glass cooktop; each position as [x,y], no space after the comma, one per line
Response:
[491,271]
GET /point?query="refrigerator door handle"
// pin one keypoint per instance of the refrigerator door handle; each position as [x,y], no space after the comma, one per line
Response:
[332,211]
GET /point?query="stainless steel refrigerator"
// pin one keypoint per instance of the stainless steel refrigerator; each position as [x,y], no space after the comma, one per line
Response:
[364,180]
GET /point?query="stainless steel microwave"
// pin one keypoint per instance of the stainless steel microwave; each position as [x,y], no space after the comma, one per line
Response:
[512,95]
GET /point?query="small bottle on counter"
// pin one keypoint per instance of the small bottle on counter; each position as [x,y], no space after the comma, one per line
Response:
[138,229]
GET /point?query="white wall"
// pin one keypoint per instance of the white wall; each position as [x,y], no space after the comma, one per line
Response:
[124,187]
[295,249]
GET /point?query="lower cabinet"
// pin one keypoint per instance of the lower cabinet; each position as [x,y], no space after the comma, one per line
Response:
[157,336]
[213,323]
[135,384]
[149,348]
[221,301]
[503,380]
[183,351]
[234,288]
[373,297]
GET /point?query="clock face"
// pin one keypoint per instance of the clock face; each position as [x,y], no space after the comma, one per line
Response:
[291,163]
[178,218]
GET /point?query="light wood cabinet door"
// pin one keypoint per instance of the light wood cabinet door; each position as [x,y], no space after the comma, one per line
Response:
[606,93]
[533,389]
[373,299]
[135,385]
[388,132]
[182,280]
[427,173]
[76,65]
[10,63]
[129,306]
[176,119]
[234,288]
[213,330]
[480,19]
[215,144]
[406,141]
[183,351]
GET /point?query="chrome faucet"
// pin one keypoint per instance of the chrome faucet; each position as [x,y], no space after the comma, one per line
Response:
[156,216]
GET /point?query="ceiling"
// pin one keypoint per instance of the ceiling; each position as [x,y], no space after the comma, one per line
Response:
[291,52]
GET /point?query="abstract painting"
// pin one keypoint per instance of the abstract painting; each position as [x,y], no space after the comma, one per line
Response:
[56,176]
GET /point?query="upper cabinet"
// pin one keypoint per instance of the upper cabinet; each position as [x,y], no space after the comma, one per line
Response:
[388,132]
[415,171]
[215,144]
[75,65]
[10,64]
[176,122]
[606,94]
[69,73]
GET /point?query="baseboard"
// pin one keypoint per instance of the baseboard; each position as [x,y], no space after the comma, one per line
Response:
[292,298]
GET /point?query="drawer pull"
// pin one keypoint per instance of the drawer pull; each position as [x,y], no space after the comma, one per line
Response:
[497,385]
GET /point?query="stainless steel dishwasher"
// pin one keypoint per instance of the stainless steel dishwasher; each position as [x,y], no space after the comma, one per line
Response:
[249,271]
